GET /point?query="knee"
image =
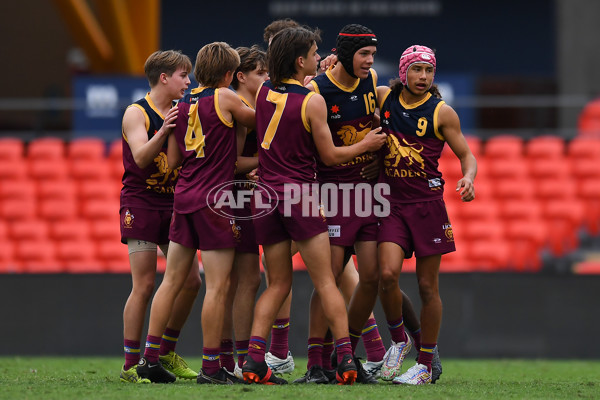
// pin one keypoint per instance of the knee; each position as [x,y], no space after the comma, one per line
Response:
[143,289]
[427,291]
[193,284]
[388,277]
[370,281]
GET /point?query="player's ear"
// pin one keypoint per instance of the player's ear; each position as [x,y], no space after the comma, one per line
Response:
[300,62]
[241,77]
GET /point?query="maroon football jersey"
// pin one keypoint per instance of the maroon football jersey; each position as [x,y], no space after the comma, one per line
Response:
[413,148]
[286,150]
[151,187]
[208,145]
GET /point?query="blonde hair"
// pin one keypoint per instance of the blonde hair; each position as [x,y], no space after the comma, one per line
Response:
[167,62]
[213,61]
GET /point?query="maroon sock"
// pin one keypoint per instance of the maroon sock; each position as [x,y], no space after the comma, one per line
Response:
[426,354]
[210,360]
[256,348]
[372,341]
[416,336]
[327,350]
[132,353]
[315,352]
[354,339]
[397,330]
[152,348]
[343,347]
[226,356]
[279,338]
[169,341]
[241,348]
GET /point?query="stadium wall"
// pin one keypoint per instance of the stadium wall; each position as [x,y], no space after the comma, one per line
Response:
[485,315]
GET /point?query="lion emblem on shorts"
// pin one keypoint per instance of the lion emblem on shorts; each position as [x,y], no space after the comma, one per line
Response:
[350,135]
[448,232]
[236,231]
[409,151]
[128,219]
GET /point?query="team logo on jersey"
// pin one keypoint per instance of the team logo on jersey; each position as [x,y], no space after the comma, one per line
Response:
[158,180]
[334,112]
[405,114]
[353,97]
[128,219]
[350,135]
[386,114]
[409,152]
[237,235]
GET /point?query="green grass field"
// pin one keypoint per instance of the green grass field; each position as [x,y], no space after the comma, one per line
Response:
[97,378]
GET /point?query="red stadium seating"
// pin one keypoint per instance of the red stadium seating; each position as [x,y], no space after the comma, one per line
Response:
[12,149]
[88,148]
[46,148]
[545,147]
[504,147]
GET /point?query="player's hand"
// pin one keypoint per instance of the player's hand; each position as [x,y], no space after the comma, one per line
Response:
[374,139]
[371,170]
[466,189]
[327,62]
[252,175]
[169,121]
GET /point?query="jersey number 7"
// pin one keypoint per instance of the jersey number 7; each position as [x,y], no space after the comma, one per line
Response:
[279,99]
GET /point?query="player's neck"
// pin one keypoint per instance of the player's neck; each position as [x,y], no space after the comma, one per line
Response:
[342,76]
[161,100]
[248,97]
[410,98]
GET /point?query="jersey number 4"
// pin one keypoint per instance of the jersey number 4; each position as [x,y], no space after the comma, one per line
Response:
[194,138]
[279,99]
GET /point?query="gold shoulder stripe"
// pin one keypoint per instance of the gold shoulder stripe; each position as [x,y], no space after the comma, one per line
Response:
[218,109]
[385,96]
[436,113]
[304,103]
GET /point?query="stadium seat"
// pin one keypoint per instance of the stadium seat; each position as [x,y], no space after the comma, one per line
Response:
[504,147]
[588,123]
[105,230]
[504,168]
[37,257]
[517,188]
[488,255]
[546,168]
[63,189]
[478,211]
[589,192]
[113,255]
[520,209]
[18,209]
[97,189]
[475,144]
[57,210]
[72,230]
[451,171]
[95,209]
[48,169]
[526,240]
[588,148]
[81,169]
[456,261]
[11,170]
[8,264]
[32,229]
[79,256]
[585,168]
[12,149]
[17,190]
[115,150]
[86,148]
[545,147]
[46,148]
[564,188]
[563,219]
[490,229]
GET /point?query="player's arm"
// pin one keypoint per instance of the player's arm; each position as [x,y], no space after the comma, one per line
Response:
[231,103]
[316,112]
[449,126]
[174,156]
[244,164]
[134,128]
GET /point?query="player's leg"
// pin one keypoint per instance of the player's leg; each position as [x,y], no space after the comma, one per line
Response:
[142,260]
[179,263]
[184,302]
[279,275]
[431,318]
[391,256]
[279,358]
[316,254]
[246,268]
[218,264]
